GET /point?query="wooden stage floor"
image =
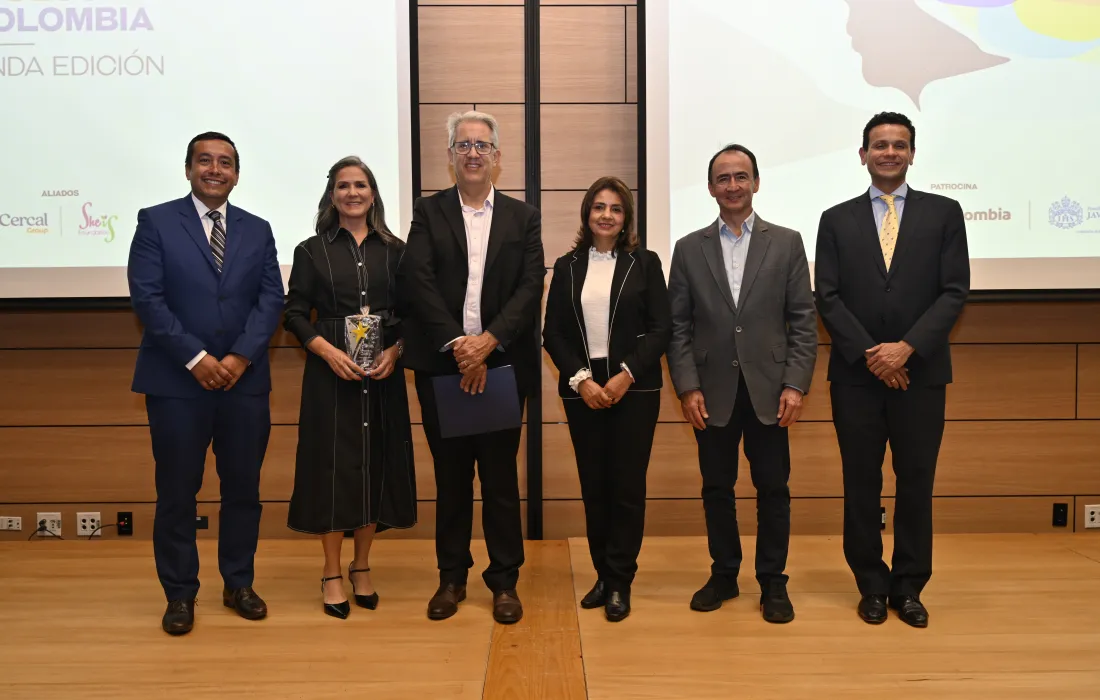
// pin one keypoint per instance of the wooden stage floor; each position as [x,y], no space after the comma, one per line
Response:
[1012,616]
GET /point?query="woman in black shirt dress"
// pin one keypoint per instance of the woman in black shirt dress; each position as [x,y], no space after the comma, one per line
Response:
[354,465]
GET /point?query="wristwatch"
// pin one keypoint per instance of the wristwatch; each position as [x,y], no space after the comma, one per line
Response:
[400,346]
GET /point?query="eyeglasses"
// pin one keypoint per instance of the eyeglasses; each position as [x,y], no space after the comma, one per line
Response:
[463,147]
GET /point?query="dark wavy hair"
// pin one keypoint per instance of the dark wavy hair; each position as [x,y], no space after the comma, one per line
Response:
[627,240]
[328,219]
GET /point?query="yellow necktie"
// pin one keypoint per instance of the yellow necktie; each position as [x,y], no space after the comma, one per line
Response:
[888,236]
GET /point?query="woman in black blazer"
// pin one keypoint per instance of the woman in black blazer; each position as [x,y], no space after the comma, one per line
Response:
[608,323]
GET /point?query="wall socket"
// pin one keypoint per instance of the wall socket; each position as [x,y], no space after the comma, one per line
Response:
[1092,516]
[53,523]
[8,523]
[88,525]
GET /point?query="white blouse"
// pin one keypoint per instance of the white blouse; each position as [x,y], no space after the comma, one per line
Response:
[596,301]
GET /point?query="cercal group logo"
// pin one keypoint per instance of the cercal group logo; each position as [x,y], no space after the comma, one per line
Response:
[94,223]
[1066,213]
[31,223]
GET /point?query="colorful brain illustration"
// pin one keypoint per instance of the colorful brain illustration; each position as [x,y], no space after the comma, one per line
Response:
[1035,28]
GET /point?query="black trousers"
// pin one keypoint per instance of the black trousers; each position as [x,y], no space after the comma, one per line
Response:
[613,447]
[239,426]
[495,454]
[866,417]
[768,451]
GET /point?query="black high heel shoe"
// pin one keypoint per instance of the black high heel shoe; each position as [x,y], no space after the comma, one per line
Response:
[340,610]
[370,602]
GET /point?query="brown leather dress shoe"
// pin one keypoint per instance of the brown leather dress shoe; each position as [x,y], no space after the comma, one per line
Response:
[179,618]
[445,601]
[507,609]
[245,601]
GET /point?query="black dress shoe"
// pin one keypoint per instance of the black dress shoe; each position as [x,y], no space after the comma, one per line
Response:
[775,605]
[245,601]
[595,597]
[711,595]
[445,601]
[364,601]
[872,608]
[507,609]
[911,611]
[617,606]
[341,609]
[179,618]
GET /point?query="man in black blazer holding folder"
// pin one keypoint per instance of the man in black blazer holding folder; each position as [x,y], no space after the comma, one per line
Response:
[471,284]
[892,275]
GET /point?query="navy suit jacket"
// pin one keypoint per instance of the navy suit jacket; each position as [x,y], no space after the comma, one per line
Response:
[186,306]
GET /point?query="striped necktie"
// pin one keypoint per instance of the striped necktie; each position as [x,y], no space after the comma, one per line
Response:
[217,238]
[888,236]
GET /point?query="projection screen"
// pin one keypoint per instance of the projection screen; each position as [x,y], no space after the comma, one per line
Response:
[1002,94]
[101,97]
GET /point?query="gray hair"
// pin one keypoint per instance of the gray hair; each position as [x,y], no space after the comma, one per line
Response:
[459,117]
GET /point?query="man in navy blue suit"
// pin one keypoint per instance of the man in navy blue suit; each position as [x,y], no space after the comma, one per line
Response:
[205,282]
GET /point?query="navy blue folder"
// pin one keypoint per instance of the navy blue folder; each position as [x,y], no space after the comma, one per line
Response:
[461,413]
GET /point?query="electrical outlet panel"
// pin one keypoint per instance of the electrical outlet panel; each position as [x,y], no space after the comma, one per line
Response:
[125,521]
[10,523]
[52,522]
[88,525]
[1092,516]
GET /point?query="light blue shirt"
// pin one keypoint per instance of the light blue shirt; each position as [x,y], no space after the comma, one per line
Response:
[735,249]
[879,205]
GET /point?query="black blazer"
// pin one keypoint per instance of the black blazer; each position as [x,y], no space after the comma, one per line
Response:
[431,284]
[918,301]
[640,321]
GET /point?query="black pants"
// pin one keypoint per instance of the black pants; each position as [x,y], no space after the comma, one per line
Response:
[768,452]
[182,429]
[613,447]
[866,417]
[495,455]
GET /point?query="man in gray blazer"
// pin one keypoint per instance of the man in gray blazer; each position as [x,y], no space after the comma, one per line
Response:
[744,341]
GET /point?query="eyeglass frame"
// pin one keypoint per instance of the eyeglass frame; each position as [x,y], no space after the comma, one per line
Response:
[473,146]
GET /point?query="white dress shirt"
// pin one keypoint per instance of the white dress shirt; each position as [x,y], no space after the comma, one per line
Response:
[596,301]
[478,222]
[735,250]
[208,226]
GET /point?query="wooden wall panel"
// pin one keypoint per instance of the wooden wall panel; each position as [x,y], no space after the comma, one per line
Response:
[1088,381]
[116,464]
[468,3]
[1012,381]
[435,164]
[584,142]
[450,72]
[581,49]
[84,329]
[560,221]
[631,54]
[69,387]
[1029,322]
[546,3]
[272,524]
[980,458]
[684,517]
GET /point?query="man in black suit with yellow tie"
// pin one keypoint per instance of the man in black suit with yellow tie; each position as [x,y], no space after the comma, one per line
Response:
[892,275]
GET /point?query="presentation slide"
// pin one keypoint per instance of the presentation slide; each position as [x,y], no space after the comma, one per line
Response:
[1003,94]
[101,98]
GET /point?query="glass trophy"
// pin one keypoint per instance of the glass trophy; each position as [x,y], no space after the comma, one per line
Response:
[363,339]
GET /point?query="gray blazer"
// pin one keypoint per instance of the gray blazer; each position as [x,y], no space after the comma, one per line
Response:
[769,336]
